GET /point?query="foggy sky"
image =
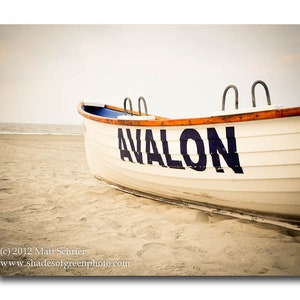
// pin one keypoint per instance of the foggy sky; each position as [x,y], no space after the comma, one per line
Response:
[181,70]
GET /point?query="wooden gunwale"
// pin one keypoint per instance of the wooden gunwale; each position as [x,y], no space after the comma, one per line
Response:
[160,121]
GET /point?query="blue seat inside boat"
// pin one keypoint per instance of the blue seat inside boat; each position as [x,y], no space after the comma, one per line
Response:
[103,112]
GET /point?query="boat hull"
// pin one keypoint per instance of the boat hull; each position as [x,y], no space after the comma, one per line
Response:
[246,166]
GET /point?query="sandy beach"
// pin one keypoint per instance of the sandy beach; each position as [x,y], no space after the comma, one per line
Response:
[57,220]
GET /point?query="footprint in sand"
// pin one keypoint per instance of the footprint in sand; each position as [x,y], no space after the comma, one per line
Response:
[151,249]
[202,217]
[133,204]
[263,271]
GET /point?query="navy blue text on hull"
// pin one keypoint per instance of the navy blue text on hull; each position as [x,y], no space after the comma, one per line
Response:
[130,146]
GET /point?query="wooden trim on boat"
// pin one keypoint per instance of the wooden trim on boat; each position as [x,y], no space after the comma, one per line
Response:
[160,121]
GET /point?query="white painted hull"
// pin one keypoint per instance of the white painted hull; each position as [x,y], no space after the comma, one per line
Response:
[268,152]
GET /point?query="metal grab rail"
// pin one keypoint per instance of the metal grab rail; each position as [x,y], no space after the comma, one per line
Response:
[145,106]
[236,96]
[130,104]
[253,92]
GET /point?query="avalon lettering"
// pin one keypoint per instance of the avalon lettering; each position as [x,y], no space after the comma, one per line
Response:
[192,134]
[192,137]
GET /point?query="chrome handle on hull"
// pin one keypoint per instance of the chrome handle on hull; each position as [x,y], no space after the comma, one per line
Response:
[236,96]
[253,92]
[130,104]
[145,106]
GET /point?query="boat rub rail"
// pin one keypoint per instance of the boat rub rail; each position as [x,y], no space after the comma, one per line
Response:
[160,121]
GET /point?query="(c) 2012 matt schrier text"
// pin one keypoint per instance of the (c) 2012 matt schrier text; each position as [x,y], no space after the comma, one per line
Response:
[16,251]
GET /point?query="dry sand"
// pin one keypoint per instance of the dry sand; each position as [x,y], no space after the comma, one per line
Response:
[49,201]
